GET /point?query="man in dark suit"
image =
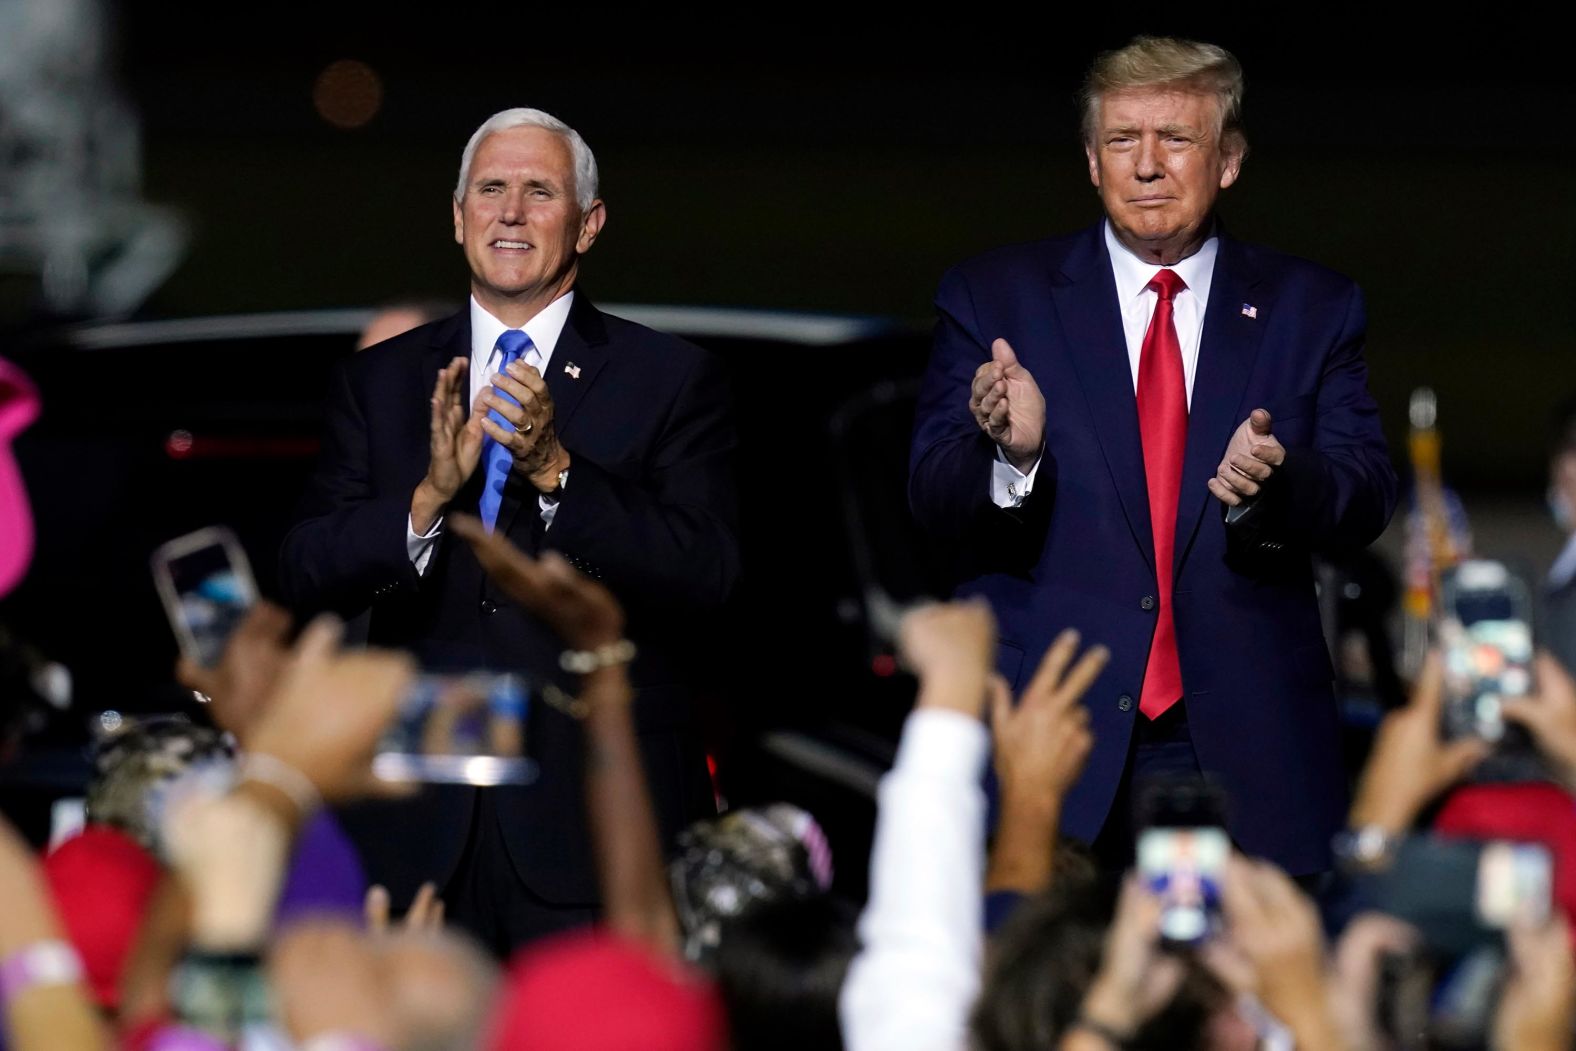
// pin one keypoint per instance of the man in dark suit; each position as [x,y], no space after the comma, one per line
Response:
[1094,407]
[566,429]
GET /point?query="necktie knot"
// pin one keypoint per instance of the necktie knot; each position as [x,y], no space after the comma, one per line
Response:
[511,345]
[1167,284]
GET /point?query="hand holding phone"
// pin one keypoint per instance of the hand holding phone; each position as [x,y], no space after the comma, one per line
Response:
[206,586]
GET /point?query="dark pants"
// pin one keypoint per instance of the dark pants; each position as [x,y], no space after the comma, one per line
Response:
[1160,750]
[486,898]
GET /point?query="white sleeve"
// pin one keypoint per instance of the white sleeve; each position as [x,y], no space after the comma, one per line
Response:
[419,545]
[915,980]
[1008,485]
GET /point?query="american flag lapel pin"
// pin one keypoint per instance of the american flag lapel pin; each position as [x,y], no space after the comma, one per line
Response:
[1249,310]
[573,370]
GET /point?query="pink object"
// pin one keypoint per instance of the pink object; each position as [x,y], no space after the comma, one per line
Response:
[593,991]
[18,408]
[102,881]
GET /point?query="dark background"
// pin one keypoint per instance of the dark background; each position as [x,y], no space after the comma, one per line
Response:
[807,159]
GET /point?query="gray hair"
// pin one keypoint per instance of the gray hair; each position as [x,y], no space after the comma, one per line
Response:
[1166,62]
[585,164]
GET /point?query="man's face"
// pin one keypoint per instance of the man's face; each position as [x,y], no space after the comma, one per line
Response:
[1159,162]
[522,231]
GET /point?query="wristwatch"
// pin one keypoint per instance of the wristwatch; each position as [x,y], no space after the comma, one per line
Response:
[1368,848]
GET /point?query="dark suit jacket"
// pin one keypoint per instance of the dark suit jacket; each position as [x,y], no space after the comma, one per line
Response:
[1079,553]
[649,509]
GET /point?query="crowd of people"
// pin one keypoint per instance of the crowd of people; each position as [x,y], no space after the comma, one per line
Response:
[208,903]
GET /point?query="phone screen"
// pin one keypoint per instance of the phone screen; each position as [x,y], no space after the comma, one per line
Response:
[206,586]
[460,729]
[1487,638]
[1185,868]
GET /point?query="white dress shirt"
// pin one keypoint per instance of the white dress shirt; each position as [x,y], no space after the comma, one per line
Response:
[1136,302]
[543,330]
[922,943]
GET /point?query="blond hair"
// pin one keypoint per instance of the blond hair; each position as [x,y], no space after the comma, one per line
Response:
[1167,62]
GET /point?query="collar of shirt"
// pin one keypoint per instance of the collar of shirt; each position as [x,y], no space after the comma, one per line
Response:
[544,330]
[1137,302]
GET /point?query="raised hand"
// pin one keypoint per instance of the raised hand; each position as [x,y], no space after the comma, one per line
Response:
[950,647]
[582,612]
[1549,715]
[1251,458]
[455,447]
[1008,406]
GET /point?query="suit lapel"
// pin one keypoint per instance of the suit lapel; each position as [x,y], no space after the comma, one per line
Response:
[450,340]
[1085,298]
[580,354]
[1227,350]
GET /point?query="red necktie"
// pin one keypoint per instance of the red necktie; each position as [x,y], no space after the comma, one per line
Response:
[1162,424]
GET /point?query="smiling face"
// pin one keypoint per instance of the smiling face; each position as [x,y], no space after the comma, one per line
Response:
[1159,162]
[522,231]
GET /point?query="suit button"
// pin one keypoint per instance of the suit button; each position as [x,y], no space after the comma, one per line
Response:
[1148,602]
[489,606]
[1125,702]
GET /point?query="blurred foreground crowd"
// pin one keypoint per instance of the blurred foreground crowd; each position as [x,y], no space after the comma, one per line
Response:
[210,903]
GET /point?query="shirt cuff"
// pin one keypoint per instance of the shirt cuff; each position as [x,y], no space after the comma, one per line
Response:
[418,546]
[1008,485]
[941,743]
[548,502]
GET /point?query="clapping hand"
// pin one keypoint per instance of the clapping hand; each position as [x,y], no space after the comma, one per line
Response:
[1008,406]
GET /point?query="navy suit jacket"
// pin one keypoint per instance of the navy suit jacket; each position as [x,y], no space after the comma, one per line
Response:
[1279,333]
[649,509]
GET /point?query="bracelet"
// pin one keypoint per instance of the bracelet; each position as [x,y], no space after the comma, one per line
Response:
[1101,1030]
[583,662]
[271,770]
[51,961]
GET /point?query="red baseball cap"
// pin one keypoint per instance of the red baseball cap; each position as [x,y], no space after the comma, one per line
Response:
[594,991]
[18,408]
[101,880]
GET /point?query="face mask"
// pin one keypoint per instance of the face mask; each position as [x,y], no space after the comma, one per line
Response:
[1560,508]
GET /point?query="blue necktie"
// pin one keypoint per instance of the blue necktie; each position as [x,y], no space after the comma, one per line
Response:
[497,459]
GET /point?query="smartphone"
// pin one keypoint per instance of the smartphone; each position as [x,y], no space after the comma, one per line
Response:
[206,586]
[460,729]
[1485,630]
[1182,854]
[1460,893]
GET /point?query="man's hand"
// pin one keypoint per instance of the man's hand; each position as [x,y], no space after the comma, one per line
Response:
[1041,746]
[455,449]
[583,613]
[1008,406]
[1251,457]
[328,710]
[1538,1005]
[327,978]
[239,684]
[950,648]
[1550,716]
[1410,763]
[1136,979]
[230,854]
[1042,743]
[1273,930]
[534,441]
